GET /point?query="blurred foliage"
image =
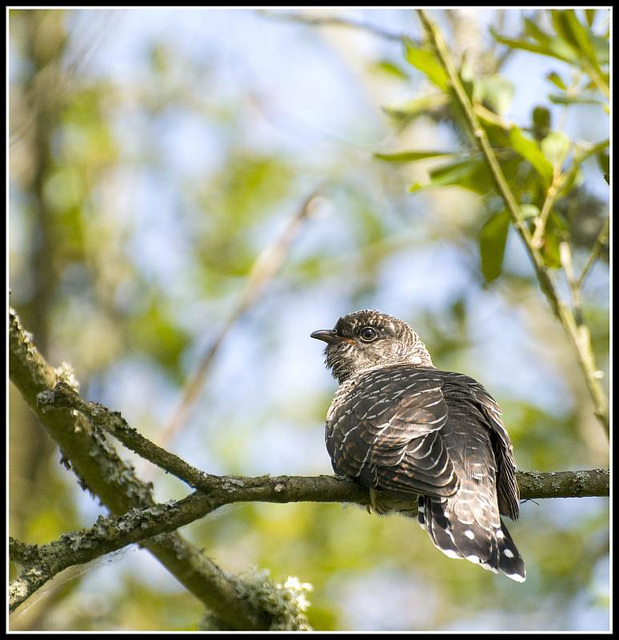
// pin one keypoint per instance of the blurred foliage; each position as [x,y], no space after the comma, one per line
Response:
[145,183]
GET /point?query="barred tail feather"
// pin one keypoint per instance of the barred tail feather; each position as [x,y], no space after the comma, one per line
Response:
[510,560]
[491,548]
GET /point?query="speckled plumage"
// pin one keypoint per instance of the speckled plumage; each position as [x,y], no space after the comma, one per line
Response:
[433,439]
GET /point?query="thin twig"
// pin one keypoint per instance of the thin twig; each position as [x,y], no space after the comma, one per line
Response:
[551,195]
[262,272]
[333,21]
[595,252]
[565,256]
[583,334]
[63,396]
[586,358]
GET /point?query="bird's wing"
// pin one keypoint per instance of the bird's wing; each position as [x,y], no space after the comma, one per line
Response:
[507,488]
[386,432]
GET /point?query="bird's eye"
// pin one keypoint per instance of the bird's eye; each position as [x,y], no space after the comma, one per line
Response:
[368,334]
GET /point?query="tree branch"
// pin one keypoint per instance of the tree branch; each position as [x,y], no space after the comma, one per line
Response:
[62,396]
[139,525]
[556,484]
[601,240]
[106,476]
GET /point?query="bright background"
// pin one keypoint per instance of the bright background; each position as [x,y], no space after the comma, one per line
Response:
[172,147]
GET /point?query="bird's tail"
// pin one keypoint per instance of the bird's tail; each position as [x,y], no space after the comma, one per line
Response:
[479,538]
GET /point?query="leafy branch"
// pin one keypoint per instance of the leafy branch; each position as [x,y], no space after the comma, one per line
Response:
[578,334]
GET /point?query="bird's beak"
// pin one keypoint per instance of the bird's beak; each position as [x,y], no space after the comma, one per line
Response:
[326,335]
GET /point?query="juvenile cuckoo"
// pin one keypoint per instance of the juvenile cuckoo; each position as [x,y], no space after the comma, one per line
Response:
[430,441]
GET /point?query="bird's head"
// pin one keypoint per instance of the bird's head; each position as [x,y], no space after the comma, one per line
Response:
[369,339]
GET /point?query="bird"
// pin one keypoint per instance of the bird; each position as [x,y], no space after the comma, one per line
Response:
[430,441]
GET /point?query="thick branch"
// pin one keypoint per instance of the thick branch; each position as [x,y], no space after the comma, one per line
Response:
[138,525]
[216,491]
[104,474]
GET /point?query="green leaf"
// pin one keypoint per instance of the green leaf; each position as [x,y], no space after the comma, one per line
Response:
[556,79]
[562,28]
[528,211]
[411,156]
[541,116]
[525,45]
[590,54]
[578,99]
[555,232]
[530,151]
[542,121]
[426,62]
[468,174]
[492,240]
[495,91]
[568,27]
[390,68]
[590,16]
[555,48]
[451,173]
[603,162]
[535,32]
[417,106]
[602,50]
[556,146]
[466,77]
[573,178]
